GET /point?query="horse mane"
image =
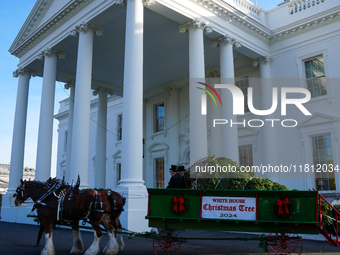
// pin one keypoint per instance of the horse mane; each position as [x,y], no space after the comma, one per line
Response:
[40,184]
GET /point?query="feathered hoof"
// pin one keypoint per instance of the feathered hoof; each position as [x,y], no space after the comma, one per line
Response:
[121,246]
[47,252]
[110,249]
[75,250]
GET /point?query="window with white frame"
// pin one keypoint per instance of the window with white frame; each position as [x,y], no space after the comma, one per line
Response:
[119,127]
[159,117]
[322,159]
[159,173]
[315,76]
[246,155]
[243,84]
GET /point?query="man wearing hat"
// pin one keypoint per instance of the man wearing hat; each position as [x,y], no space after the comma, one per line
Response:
[176,180]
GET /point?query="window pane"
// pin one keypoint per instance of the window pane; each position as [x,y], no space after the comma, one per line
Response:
[243,84]
[159,118]
[246,155]
[159,164]
[323,154]
[315,75]
[308,69]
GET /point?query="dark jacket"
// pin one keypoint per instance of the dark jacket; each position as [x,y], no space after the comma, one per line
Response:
[176,181]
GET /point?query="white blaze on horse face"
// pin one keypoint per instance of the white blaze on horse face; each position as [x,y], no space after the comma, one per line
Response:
[94,248]
[49,247]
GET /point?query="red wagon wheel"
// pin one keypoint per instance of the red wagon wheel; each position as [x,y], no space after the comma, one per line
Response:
[167,243]
[284,241]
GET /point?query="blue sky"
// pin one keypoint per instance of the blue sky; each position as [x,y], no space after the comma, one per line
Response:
[12,16]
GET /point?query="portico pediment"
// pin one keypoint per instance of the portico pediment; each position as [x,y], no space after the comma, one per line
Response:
[42,11]
[317,118]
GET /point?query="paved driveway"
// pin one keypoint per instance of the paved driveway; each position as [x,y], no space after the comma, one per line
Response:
[18,239]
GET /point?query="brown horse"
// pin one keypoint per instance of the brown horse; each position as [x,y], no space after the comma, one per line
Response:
[89,205]
[116,201]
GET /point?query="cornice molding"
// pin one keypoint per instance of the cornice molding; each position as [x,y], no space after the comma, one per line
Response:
[195,24]
[226,39]
[20,71]
[85,27]
[245,21]
[296,28]
[49,52]
[61,116]
[238,18]
[26,43]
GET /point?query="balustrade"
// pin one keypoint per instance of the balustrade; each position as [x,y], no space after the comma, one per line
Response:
[301,5]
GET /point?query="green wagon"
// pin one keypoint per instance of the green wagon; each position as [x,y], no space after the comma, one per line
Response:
[282,214]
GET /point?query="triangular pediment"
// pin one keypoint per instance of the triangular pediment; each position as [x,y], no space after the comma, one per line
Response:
[317,118]
[41,13]
[158,147]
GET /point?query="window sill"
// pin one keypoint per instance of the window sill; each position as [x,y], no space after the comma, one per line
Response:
[163,132]
[327,98]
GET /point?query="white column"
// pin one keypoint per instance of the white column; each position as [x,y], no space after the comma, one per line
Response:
[131,183]
[229,133]
[44,148]
[19,130]
[268,132]
[70,85]
[198,122]
[100,163]
[173,124]
[214,112]
[132,147]
[81,116]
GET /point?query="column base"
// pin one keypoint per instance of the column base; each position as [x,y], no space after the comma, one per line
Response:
[15,214]
[135,209]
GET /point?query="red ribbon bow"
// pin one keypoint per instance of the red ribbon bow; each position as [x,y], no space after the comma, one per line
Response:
[281,203]
[179,204]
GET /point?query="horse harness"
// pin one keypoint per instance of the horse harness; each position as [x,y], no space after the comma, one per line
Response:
[70,190]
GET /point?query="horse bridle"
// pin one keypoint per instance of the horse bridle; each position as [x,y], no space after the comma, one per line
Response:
[21,189]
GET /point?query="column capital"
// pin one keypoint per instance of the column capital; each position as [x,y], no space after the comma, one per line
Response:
[70,84]
[119,1]
[19,71]
[102,90]
[225,39]
[149,2]
[49,52]
[84,27]
[195,24]
[169,90]
[265,60]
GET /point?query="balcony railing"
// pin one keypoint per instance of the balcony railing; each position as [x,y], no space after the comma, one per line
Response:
[246,7]
[301,5]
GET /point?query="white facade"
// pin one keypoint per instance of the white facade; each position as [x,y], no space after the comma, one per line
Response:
[134,49]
